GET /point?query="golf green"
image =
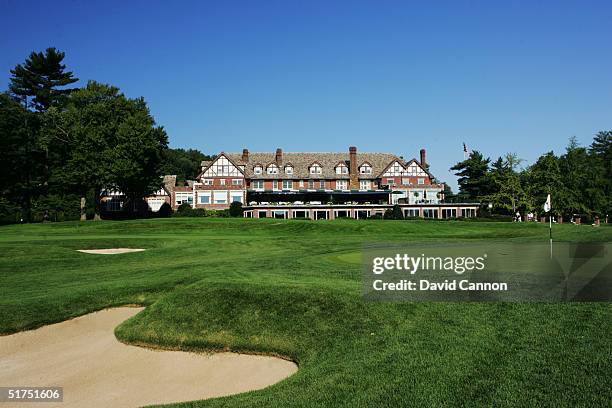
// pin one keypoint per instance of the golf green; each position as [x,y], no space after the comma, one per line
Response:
[293,288]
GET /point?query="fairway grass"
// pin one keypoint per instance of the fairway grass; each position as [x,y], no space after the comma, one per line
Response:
[293,289]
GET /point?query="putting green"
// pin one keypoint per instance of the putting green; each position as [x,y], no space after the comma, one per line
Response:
[347,258]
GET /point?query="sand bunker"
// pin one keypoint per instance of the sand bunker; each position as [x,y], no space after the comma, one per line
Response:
[110,251]
[96,370]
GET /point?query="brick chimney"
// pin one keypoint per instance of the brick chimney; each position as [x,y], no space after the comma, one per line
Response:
[279,156]
[423,161]
[245,155]
[354,175]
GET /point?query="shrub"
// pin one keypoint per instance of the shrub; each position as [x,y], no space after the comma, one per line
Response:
[235,209]
[165,211]
[394,213]
[184,210]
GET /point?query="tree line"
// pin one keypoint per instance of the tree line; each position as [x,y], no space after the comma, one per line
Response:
[63,146]
[579,181]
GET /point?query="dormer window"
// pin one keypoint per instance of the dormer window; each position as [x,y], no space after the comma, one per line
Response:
[288,169]
[315,169]
[365,169]
[257,169]
[272,169]
[342,169]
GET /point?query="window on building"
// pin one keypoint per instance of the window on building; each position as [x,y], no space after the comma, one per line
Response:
[315,169]
[468,212]
[287,184]
[412,212]
[430,213]
[405,181]
[449,213]
[365,185]
[301,183]
[236,182]
[205,199]
[182,198]
[274,184]
[311,184]
[288,169]
[365,169]
[322,184]
[222,182]
[220,197]
[257,170]
[208,182]
[272,169]
[236,198]
[391,182]
[342,169]
[113,205]
[258,184]
[420,180]
[341,185]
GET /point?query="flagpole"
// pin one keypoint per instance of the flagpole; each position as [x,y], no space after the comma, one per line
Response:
[550,233]
[548,209]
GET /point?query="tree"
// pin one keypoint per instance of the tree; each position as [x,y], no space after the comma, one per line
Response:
[42,77]
[136,158]
[449,195]
[574,168]
[601,153]
[507,192]
[543,178]
[184,163]
[473,180]
[115,144]
[20,169]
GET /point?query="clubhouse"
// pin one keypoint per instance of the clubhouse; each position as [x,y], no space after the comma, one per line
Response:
[314,185]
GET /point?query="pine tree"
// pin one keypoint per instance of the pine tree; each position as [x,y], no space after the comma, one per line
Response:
[42,78]
[474,181]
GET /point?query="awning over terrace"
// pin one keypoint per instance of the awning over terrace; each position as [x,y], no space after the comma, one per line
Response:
[323,196]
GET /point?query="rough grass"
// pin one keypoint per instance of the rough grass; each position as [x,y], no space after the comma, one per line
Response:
[292,288]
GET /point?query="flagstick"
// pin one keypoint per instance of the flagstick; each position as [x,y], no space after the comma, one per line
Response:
[550,233]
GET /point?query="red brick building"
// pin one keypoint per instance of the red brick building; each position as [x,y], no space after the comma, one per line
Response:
[319,185]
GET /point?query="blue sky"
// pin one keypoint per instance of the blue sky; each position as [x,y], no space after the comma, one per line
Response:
[321,76]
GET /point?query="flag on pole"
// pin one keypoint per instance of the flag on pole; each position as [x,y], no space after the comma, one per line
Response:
[547,207]
[466,152]
[547,204]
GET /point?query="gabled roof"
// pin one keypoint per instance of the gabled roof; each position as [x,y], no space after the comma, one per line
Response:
[302,161]
[388,166]
[211,162]
[413,160]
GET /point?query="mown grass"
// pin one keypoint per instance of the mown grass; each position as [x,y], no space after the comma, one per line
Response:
[292,288]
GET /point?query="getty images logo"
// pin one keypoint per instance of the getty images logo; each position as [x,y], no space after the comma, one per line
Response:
[413,264]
